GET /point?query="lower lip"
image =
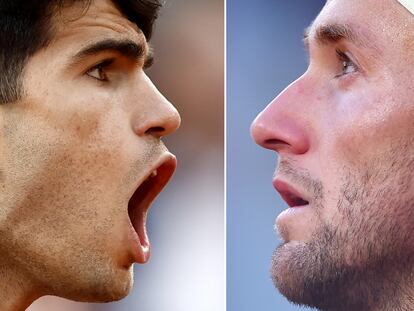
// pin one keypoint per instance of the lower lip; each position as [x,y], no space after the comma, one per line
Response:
[141,251]
[294,215]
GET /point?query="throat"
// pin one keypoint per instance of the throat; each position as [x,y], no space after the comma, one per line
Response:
[403,299]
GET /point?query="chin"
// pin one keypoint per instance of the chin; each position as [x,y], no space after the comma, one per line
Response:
[113,293]
[297,270]
[99,287]
[116,289]
[283,274]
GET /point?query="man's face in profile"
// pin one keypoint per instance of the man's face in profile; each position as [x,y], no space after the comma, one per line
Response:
[344,133]
[82,158]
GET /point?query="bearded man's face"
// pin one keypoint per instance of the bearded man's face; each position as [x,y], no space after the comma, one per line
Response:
[344,133]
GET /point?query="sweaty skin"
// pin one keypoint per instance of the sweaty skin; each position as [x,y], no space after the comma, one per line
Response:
[73,151]
[344,133]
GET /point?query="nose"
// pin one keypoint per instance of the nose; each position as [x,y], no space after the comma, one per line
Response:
[157,117]
[281,126]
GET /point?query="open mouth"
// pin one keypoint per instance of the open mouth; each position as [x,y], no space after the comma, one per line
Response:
[293,200]
[156,179]
[290,195]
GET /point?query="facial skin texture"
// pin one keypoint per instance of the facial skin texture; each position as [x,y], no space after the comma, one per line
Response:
[73,151]
[344,134]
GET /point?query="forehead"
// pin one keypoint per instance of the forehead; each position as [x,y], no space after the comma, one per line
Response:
[382,21]
[101,19]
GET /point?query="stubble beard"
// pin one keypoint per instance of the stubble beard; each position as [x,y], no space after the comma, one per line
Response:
[365,261]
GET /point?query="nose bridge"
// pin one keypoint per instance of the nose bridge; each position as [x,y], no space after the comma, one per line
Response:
[154,114]
[280,126]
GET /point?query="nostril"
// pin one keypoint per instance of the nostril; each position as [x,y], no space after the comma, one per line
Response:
[275,142]
[156,130]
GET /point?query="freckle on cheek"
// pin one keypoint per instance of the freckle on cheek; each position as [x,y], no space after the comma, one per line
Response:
[86,129]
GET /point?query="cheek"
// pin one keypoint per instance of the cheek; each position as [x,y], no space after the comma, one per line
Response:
[95,133]
[68,188]
[361,133]
[77,155]
[364,126]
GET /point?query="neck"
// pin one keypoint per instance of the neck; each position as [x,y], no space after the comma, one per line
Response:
[16,291]
[399,295]
[402,301]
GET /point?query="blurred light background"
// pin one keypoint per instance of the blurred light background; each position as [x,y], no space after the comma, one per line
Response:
[186,224]
[264,54]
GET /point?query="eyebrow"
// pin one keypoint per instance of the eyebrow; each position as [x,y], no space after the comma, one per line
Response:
[126,47]
[335,32]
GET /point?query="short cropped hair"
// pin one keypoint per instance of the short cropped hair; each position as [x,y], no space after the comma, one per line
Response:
[25,29]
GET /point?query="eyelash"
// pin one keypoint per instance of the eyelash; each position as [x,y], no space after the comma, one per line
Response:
[346,62]
[100,67]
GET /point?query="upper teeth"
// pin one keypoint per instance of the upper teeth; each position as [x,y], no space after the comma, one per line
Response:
[153,173]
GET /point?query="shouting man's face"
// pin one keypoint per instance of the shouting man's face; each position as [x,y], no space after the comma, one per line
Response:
[82,159]
[344,132]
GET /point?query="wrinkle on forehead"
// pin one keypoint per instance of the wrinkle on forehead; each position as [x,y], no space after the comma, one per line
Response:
[101,16]
[392,24]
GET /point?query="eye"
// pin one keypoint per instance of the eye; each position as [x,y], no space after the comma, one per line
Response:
[98,72]
[347,65]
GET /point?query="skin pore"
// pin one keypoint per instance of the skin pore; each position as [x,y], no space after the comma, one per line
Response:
[73,150]
[344,134]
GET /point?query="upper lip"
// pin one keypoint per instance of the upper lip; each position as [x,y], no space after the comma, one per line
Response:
[289,193]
